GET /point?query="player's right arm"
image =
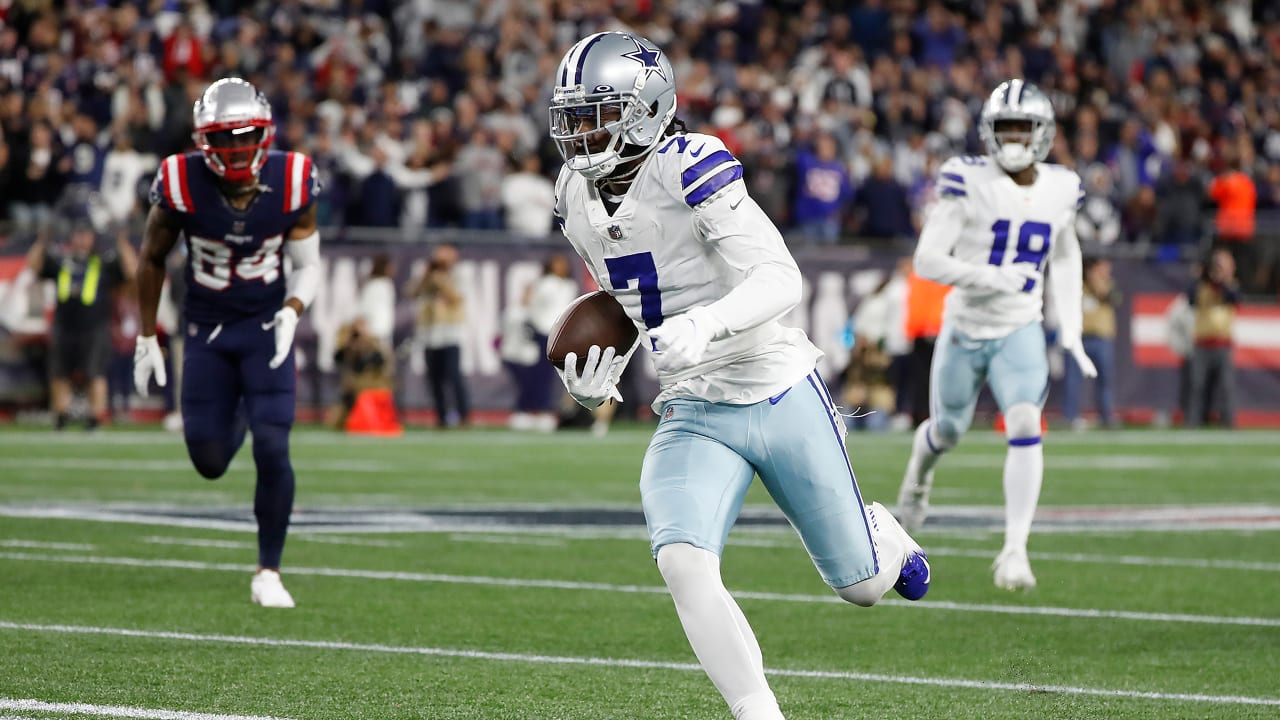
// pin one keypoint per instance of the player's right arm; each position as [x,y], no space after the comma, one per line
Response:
[943,227]
[158,239]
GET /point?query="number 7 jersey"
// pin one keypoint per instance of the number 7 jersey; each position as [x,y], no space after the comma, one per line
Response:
[234,257]
[988,219]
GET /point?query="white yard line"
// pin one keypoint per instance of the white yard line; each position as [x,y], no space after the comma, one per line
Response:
[509,539]
[163,563]
[621,663]
[117,711]
[41,545]
[184,466]
[200,542]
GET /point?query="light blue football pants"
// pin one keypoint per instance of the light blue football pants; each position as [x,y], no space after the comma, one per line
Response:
[704,456]
[1014,366]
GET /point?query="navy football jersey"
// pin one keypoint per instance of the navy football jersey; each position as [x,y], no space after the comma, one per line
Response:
[235,263]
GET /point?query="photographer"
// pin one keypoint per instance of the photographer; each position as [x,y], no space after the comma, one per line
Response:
[362,365]
[80,335]
[441,325]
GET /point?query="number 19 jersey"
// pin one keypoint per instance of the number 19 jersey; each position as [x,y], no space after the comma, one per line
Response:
[1003,223]
[234,257]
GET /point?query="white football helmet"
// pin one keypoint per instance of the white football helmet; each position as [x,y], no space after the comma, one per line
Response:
[233,129]
[613,89]
[1018,101]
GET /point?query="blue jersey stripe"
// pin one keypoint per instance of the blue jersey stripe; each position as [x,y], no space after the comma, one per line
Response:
[704,166]
[953,177]
[714,185]
[952,192]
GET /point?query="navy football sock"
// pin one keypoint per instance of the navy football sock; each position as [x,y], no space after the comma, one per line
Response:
[273,499]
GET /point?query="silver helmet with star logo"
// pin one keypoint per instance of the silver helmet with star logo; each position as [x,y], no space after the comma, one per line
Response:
[612,90]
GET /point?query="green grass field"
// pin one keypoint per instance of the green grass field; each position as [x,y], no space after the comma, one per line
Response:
[494,575]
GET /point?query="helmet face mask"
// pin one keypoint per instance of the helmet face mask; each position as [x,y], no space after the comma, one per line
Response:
[233,129]
[1017,125]
[614,94]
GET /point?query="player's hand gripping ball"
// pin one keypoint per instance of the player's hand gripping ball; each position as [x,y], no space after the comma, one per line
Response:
[593,319]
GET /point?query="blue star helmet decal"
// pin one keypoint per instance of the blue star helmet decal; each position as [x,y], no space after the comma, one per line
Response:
[646,57]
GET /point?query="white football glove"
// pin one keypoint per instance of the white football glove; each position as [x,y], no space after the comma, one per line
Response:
[147,360]
[599,379]
[1081,357]
[1006,278]
[285,323]
[683,339]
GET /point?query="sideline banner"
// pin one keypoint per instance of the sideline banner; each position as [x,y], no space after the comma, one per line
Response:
[836,279]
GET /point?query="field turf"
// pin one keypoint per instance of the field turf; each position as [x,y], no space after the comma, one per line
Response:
[492,575]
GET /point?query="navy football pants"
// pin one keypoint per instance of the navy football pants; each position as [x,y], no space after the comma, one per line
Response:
[228,387]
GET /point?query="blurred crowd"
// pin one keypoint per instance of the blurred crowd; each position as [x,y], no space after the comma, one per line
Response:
[432,113]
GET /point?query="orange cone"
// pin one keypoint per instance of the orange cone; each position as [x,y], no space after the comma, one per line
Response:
[374,413]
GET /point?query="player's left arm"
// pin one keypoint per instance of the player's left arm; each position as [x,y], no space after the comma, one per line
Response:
[747,240]
[302,245]
[1066,290]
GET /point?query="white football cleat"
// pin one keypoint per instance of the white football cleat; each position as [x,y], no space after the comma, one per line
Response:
[913,496]
[267,590]
[1013,570]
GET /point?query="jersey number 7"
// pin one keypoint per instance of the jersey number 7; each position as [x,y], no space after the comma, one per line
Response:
[639,267]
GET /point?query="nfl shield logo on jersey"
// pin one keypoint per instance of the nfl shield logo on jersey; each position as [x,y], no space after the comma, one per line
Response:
[615,232]
[670,411]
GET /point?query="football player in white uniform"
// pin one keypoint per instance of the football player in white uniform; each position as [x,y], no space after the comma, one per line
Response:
[665,225]
[997,221]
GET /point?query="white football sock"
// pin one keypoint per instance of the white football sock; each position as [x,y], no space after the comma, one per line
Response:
[718,631]
[923,453]
[1023,475]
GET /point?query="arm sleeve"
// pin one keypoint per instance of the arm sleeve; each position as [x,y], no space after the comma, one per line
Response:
[933,258]
[1067,286]
[304,280]
[747,240]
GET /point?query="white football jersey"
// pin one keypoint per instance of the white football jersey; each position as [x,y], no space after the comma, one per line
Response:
[687,235]
[982,217]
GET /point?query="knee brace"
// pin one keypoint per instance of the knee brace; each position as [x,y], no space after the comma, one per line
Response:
[1022,422]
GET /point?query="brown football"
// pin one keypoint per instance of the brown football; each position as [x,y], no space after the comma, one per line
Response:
[593,319]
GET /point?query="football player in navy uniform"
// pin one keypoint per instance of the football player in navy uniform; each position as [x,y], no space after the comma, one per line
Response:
[241,208]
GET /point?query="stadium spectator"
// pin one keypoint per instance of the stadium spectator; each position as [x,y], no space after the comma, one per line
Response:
[884,207]
[1180,199]
[441,323]
[529,198]
[1101,299]
[823,190]
[85,278]
[1237,198]
[1213,299]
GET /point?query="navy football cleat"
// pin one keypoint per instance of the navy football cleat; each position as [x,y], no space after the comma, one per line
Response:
[913,581]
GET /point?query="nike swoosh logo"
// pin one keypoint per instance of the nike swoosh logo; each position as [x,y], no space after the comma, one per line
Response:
[734,206]
[696,153]
[778,398]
